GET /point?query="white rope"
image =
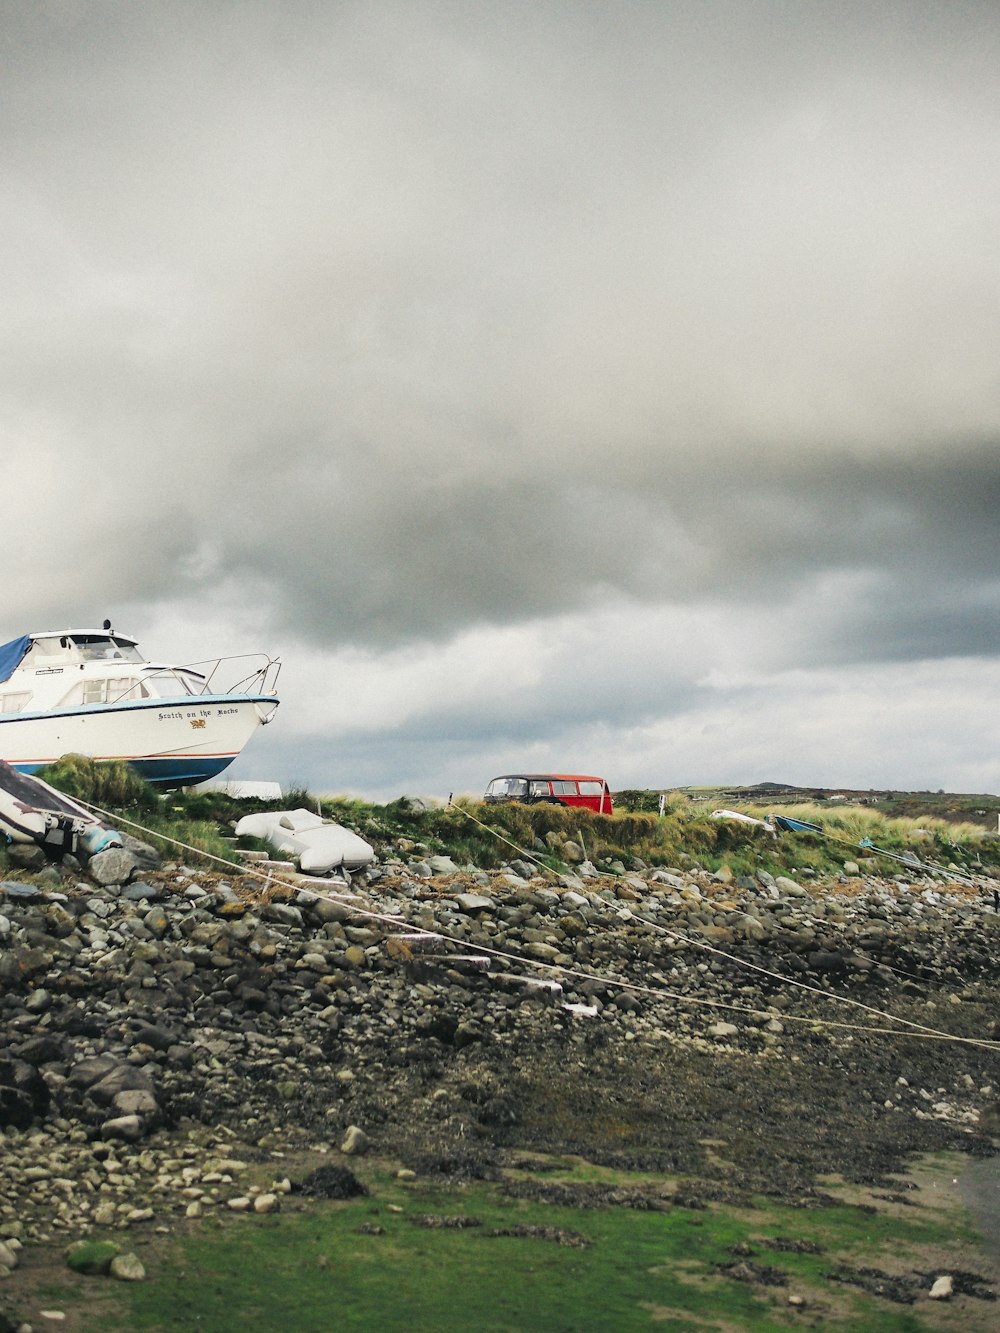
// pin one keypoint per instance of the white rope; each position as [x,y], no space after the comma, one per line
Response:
[777,976]
[497,834]
[910,1028]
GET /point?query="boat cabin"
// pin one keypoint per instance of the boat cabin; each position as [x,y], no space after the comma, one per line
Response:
[71,669]
[575,789]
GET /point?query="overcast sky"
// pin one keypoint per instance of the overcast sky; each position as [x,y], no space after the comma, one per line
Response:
[551,384]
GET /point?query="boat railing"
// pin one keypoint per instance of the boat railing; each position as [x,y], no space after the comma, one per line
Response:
[262,679]
[134,691]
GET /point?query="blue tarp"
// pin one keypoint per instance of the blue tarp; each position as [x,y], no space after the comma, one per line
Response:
[11,655]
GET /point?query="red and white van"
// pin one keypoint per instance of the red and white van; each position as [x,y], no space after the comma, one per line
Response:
[579,789]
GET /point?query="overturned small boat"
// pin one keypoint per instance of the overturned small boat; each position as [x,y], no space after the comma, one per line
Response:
[319,845]
[32,811]
[92,692]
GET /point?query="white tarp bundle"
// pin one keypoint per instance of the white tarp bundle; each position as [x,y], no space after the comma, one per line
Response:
[317,844]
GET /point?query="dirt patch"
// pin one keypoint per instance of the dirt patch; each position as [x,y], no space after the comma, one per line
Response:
[903,1275]
[42,1283]
[560,1235]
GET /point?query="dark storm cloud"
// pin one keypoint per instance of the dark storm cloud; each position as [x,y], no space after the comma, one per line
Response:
[385,325]
[423,560]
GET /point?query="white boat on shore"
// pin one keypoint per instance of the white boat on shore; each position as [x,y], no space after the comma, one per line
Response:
[92,692]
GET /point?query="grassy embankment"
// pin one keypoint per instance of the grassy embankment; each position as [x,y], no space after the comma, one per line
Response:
[473,834]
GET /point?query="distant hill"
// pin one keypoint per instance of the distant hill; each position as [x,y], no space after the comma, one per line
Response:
[970,807]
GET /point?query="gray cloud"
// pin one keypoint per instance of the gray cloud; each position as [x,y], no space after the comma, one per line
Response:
[380,327]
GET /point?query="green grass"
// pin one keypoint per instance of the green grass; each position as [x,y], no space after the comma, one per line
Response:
[487,836]
[312,1271]
[172,838]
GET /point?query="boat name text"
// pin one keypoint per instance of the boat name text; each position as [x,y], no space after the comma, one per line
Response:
[194,713]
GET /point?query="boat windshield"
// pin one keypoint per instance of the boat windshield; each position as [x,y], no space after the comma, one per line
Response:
[104,647]
[168,682]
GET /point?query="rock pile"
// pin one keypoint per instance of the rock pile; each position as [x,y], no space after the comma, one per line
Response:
[163,1030]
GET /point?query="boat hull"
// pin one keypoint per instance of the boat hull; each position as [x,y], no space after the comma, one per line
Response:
[170,742]
[32,811]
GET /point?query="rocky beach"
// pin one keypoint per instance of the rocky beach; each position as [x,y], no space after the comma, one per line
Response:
[170,1033]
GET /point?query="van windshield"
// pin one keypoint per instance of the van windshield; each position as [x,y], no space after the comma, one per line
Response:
[511,788]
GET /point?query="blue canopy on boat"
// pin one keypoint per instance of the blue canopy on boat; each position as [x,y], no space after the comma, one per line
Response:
[11,655]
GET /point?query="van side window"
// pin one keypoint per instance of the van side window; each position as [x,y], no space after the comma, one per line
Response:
[567,789]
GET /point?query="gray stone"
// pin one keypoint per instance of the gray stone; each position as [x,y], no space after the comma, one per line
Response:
[523,869]
[473,902]
[142,888]
[723,1030]
[157,921]
[22,893]
[91,1070]
[127,1268]
[135,1101]
[789,888]
[355,1141]
[115,866]
[282,913]
[145,856]
[326,909]
[122,1078]
[126,1127]
[27,855]
[750,928]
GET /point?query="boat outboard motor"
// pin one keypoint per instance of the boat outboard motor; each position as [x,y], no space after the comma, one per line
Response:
[32,811]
